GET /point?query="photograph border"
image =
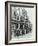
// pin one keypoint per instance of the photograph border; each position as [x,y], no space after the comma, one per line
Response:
[6,21]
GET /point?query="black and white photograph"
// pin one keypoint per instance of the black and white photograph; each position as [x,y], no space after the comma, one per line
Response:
[21,22]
